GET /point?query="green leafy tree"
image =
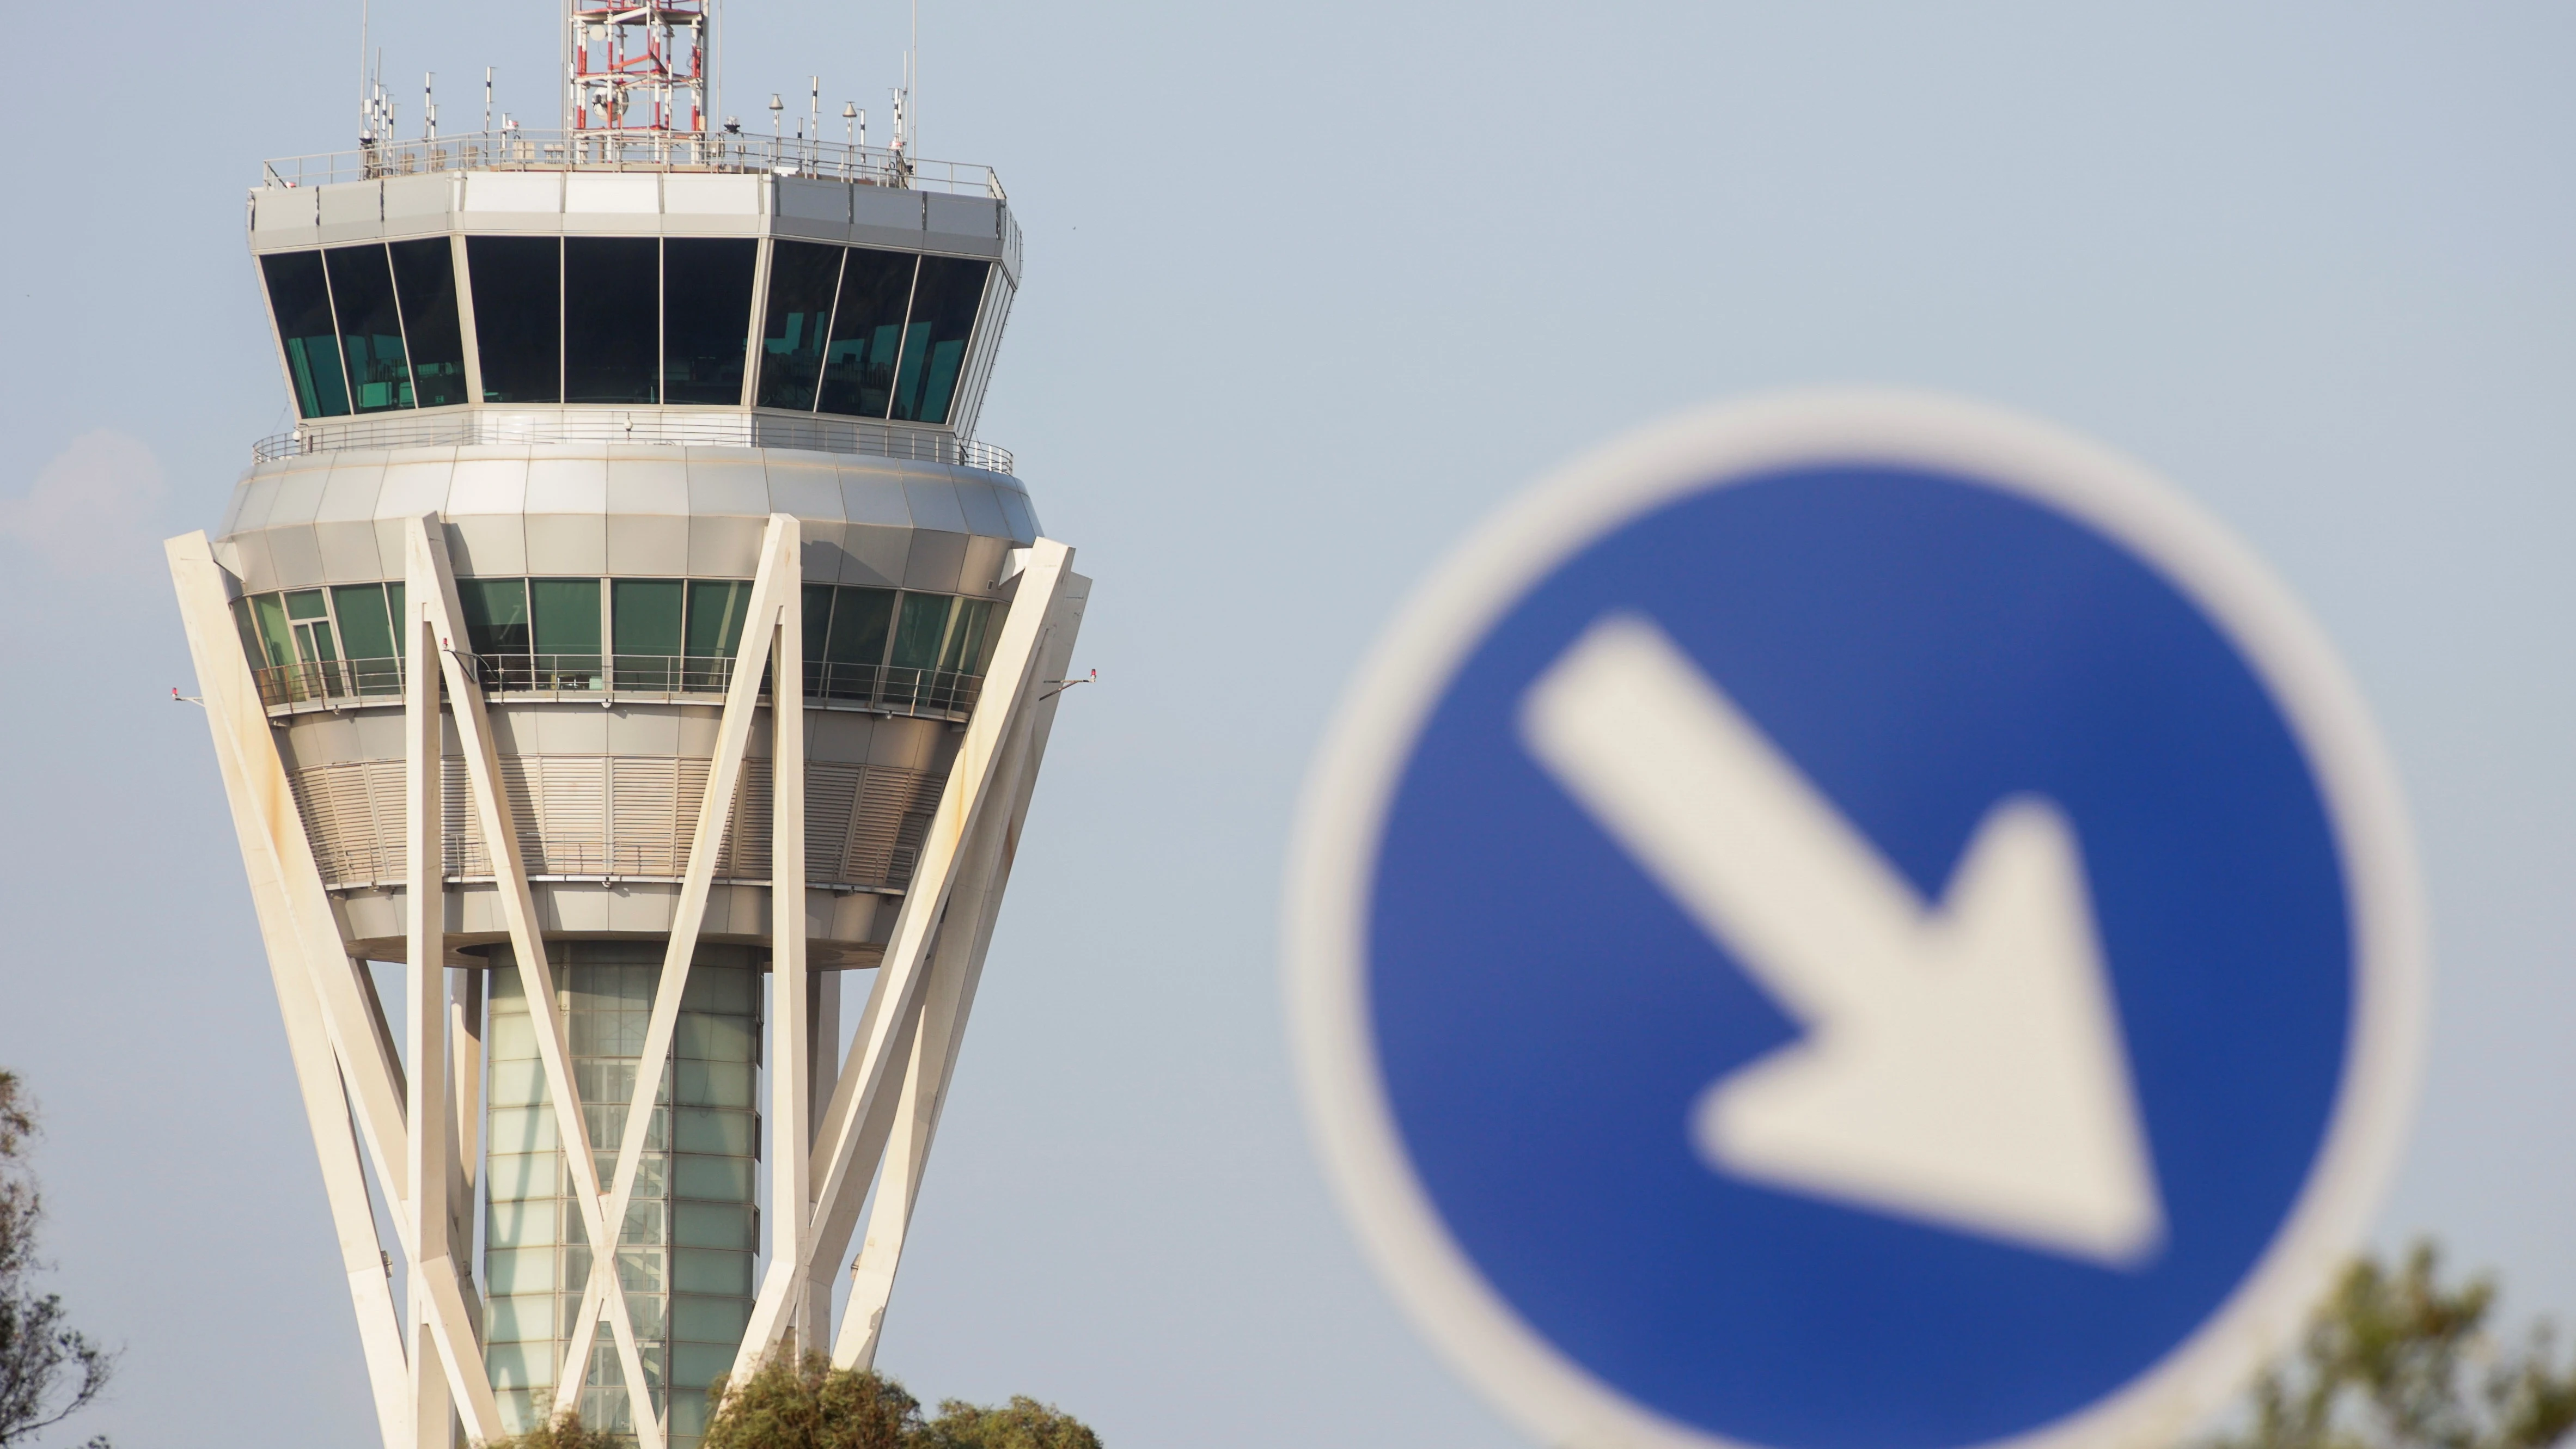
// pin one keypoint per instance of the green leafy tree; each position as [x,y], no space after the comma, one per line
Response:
[2397,1360]
[48,1372]
[793,1403]
[1023,1424]
[805,1403]
[564,1431]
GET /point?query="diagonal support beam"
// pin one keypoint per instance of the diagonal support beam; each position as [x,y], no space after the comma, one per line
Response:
[894,1000]
[776,607]
[956,970]
[272,842]
[432,582]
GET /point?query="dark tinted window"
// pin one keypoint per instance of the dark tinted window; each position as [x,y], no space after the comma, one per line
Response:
[496,610]
[859,621]
[301,301]
[867,332]
[924,628]
[518,292]
[567,615]
[371,339]
[818,618]
[716,611]
[706,317]
[934,345]
[425,278]
[802,278]
[612,333]
[646,615]
[364,627]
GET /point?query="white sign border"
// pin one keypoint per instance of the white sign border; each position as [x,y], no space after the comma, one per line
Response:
[1342,814]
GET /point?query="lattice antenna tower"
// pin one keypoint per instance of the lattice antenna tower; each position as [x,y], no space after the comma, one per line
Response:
[638,67]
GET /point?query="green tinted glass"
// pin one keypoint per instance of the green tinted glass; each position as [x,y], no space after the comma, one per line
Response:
[276,643]
[301,302]
[646,615]
[371,339]
[965,651]
[305,604]
[364,627]
[716,610]
[860,618]
[496,614]
[567,615]
[923,630]
[425,279]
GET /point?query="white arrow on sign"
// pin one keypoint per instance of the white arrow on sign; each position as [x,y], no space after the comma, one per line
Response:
[1962,1062]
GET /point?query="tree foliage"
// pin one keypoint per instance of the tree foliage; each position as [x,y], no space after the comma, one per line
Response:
[565,1431]
[48,1372]
[792,1403]
[2397,1360]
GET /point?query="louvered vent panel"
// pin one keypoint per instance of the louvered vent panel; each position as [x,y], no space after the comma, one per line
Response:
[684,809]
[884,836]
[465,852]
[385,798]
[642,818]
[831,798]
[746,842]
[572,794]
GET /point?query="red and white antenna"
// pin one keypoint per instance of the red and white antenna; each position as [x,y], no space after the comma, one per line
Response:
[638,65]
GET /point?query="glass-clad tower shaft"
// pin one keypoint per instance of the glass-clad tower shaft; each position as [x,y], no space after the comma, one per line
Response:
[633,649]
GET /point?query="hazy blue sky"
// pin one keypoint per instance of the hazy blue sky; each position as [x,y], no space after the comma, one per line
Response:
[1310,290]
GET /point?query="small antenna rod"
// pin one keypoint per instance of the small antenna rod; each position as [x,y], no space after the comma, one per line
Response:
[487,98]
[366,112]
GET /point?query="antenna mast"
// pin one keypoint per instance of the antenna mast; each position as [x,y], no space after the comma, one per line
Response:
[638,65]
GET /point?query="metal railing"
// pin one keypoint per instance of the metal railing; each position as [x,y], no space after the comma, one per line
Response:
[719,152]
[889,688]
[472,427]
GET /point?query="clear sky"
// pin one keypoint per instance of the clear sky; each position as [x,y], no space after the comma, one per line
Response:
[1310,291]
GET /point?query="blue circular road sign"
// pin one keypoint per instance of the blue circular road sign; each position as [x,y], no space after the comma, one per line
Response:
[1855,921]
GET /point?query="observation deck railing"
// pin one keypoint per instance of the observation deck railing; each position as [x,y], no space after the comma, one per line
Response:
[717,151]
[480,426]
[881,688]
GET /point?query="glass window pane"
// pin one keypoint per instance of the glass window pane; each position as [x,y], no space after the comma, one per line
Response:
[518,302]
[716,610]
[965,651]
[711,1270]
[301,302]
[567,615]
[425,280]
[364,626]
[867,331]
[362,289]
[305,604]
[802,277]
[706,317]
[249,634]
[696,1365]
[860,618]
[394,599]
[647,614]
[710,1320]
[934,343]
[818,619]
[727,1179]
[712,1225]
[923,630]
[496,613]
[276,640]
[612,319]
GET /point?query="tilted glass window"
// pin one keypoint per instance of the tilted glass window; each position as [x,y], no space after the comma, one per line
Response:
[716,611]
[923,629]
[612,319]
[646,615]
[496,612]
[371,337]
[706,317]
[802,280]
[300,300]
[567,617]
[967,639]
[425,281]
[867,333]
[275,642]
[364,626]
[518,316]
[934,341]
[860,620]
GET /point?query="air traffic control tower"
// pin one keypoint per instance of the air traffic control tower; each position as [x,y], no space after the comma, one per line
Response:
[633,648]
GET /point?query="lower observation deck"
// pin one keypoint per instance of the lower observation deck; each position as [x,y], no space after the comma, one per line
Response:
[946,694]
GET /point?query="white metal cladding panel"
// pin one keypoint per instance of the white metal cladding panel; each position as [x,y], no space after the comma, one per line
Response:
[621,815]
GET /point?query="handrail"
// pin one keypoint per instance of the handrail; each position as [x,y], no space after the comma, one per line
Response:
[723,152]
[483,427]
[891,689]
